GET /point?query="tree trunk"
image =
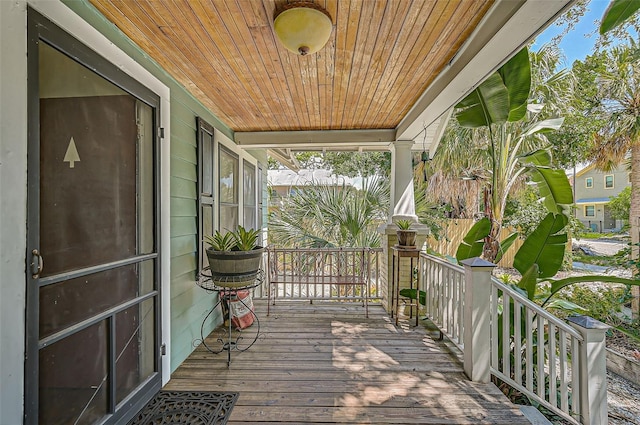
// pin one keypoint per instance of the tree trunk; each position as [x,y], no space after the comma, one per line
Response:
[491,242]
[634,221]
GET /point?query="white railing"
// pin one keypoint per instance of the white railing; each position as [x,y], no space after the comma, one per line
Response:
[530,349]
[540,354]
[443,283]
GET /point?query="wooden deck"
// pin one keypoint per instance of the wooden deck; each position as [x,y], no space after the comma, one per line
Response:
[328,364]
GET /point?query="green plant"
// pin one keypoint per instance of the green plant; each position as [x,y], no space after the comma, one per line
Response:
[245,240]
[240,240]
[403,224]
[220,242]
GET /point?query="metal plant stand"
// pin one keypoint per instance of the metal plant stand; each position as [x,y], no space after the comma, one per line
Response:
[226,288]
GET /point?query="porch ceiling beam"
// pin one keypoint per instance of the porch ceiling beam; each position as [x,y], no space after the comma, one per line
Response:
[506,28]
[316,140]
[286,158]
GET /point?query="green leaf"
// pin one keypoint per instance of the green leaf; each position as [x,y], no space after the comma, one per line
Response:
[617,13]
[544,247]
[501,97]
[471,245]
[529,281]
[516,74]
[567,306]
[488,104]
[554,188]
[539,158]
[557,285]
[545,126]
[505,245]
[411,293]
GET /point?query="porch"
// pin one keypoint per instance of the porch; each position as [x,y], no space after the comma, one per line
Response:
[327,363]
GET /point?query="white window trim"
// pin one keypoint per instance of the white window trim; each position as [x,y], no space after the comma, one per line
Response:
[585,211]
[587,184]
[221,139]
[613,181]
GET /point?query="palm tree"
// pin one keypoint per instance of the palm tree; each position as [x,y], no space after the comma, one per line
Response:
[619,95]
[320,216]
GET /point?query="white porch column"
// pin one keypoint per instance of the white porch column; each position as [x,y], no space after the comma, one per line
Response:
[476,319]
[403,204]
[593,369]
[402,207]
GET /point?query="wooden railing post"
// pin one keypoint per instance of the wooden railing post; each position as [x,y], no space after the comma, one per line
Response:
[593,369]
[476,319]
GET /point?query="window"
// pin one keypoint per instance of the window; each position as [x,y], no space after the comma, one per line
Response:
[608,181]
[589,210]
[588,182]
[249,196]
[205,184]
[228,190]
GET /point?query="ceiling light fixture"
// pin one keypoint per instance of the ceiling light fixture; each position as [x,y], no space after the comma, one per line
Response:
[303,27]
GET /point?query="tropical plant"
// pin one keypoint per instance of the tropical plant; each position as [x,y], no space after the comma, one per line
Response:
[220,242]
[619,97]
[403,224]
[246,240]
[240,240]
[618,12]
[620,205]
[514,143]
[327,216]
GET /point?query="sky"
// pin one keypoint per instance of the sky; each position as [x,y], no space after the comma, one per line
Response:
[579,42]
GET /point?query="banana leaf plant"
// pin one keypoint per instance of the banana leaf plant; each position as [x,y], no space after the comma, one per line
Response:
[618,12]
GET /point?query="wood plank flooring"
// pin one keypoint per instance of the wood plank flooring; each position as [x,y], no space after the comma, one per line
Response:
[328,364]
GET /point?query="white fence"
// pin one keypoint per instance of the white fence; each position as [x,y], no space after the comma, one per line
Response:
[557,364]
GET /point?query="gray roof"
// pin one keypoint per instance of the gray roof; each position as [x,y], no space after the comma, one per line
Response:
[322,177]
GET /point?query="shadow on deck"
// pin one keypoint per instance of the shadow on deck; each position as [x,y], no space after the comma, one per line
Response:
[328,364]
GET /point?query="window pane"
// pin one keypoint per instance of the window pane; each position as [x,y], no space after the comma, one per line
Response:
[228,177]
[589,211]
[96,169]
[589,182]
[249,218]
[135,341]
[608,181]
[228,218]
[249,184]
[69,302]
[78,394]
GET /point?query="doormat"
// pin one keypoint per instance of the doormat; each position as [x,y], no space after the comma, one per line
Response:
[187,408]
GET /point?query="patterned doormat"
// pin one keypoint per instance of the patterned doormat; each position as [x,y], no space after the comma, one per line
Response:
[187,408]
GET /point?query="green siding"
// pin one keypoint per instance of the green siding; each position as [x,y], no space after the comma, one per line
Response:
[189,303]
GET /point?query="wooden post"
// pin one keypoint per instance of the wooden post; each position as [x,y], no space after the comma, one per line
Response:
[477,331]
[593,369]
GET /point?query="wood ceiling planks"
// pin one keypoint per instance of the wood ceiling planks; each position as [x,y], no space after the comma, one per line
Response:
[381,56]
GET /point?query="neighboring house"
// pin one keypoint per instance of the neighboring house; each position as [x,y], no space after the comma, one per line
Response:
[130,129]
[593,191]
[283,183]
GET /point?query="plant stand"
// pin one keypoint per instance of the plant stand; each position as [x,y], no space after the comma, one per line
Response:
[226,288]
[399,252]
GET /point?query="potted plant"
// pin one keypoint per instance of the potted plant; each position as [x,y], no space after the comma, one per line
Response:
[234,257]
[406,235]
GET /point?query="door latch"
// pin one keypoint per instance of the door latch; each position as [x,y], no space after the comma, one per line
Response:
[37,263]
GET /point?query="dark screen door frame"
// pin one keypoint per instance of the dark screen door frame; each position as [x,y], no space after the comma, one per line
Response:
[40,29]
